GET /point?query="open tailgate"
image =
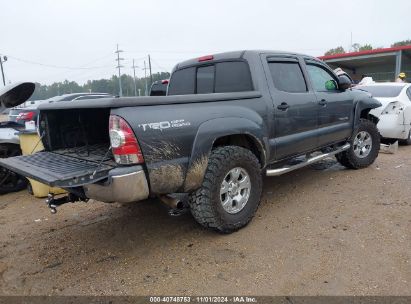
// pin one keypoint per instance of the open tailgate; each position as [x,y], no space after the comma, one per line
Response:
[58,170]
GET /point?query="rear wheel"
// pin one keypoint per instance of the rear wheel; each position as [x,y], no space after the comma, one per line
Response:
[10,181]
[231,190]
[365,145]
[407,141]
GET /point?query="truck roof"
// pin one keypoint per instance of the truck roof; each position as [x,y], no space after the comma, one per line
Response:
[235,55]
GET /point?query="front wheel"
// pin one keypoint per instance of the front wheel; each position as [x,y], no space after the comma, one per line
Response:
[365,145]
[231,190]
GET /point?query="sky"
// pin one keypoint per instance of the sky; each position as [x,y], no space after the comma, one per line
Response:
[49,41]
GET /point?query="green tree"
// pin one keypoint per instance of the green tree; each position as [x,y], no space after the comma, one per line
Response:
[337,50]
[365,47]
[402,43]
[110,86]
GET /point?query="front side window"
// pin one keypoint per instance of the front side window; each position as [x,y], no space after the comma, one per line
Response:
[321,79]
[287,77]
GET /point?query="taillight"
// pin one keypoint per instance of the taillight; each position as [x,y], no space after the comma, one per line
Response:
[165,81]
[124,144]
[25,116]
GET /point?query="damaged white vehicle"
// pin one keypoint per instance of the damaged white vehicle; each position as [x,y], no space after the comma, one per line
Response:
[395,113]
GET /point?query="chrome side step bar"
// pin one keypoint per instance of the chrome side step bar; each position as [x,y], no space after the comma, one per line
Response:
[309,161]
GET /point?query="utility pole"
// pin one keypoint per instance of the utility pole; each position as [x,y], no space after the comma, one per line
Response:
[4,59]
[119,66]
[149,66]
[145,77]
[350,43]
[135,83]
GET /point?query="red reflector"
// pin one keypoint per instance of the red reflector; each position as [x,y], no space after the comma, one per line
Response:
[206,58]
[25,116]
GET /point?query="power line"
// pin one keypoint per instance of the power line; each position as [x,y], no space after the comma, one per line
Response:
[56,66]
[76,73]
[159,66]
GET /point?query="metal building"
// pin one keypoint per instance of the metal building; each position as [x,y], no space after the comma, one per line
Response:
[381,64]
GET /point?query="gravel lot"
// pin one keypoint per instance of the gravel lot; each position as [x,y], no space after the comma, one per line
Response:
[322,230]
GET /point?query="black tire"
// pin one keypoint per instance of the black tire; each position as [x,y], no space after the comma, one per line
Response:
[349,158]
[406,142]
[205,203]
[10,181]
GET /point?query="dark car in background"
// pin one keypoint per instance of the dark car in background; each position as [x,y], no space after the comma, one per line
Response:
[159,88]
[30,112]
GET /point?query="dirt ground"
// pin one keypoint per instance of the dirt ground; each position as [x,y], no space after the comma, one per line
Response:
[322,230]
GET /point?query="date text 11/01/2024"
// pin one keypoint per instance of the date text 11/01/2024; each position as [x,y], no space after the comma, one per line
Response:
[206,299]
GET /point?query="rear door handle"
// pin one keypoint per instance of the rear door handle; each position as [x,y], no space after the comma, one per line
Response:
[322,102]
[283,106]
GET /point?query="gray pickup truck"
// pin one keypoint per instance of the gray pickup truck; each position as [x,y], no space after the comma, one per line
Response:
[228,119]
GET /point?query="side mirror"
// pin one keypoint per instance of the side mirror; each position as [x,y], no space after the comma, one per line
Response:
[331,85]
[344,82]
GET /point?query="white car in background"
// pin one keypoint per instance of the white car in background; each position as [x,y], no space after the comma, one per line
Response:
[395,113]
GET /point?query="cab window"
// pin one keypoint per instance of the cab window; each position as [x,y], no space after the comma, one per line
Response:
[220,77]
[182,82]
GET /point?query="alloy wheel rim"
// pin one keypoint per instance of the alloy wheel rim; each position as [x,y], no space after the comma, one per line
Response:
[235,190]
[362,144]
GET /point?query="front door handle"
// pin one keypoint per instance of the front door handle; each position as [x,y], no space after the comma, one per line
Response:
[283,106]
[322,102]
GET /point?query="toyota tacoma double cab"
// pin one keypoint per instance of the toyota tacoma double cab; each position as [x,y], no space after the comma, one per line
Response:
[228,119]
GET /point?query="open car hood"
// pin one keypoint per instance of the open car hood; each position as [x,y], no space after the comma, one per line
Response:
[15,94]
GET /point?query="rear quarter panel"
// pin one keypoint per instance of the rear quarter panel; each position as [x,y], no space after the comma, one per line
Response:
[176,139]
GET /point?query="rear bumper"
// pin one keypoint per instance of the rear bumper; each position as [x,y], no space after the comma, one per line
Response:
[123,185]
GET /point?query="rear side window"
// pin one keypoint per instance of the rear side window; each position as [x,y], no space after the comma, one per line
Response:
[222,77]
[205,79]
[232,77]
[182,82]
[287,77]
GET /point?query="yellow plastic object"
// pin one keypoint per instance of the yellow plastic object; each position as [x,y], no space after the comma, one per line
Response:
[30,143]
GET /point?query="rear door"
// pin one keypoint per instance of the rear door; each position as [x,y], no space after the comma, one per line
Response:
[335,107]
[295,107]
